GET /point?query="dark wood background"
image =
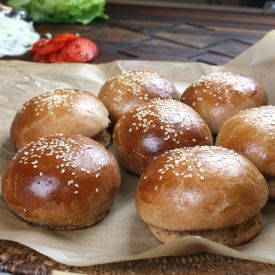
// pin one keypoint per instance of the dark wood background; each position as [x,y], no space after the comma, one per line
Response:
[169,34]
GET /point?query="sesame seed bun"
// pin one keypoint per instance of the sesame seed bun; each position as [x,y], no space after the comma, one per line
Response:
[129,89]
[202,188]
[61,111]
[219,96]
[155,127]
[251,133]
[61,182]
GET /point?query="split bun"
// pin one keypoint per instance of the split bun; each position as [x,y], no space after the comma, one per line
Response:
[61,182]
[61,111]
[204,191]
[251,133]
[130,89]
[219,96]
[153,128]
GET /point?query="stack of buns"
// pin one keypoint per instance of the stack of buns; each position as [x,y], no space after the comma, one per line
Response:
[188,184]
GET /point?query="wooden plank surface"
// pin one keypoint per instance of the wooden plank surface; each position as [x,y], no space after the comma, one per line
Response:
[169,34]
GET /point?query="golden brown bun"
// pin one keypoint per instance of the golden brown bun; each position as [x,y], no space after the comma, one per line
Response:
[271,187]
[219,96]
[252,133]
[155,127]
[200,188]
[230,236]
[129,89]
[62,111]
[61,182]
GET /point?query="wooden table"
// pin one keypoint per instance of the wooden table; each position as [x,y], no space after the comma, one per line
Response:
[212,36]
[138,32]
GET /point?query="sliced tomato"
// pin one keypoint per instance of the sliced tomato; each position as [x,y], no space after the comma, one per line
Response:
[64,37]
[65,47]
[51,47]
[65,55]
[56,57]
[40,58]
[82,50]
[39,44]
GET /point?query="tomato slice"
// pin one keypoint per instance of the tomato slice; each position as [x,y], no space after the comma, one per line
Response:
[51,47]
[56,57]
[40,58]
[64,37]
[65,47]
[65,56]
[39,44]
[82,50]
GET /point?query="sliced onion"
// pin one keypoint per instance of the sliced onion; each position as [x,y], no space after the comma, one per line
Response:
[16,36]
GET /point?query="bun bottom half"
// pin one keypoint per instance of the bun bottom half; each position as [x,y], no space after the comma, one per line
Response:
[271,187]
[61,182]
[229,236]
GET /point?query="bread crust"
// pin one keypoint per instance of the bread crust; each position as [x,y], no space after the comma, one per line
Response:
[129,89]
[230,236]
[271,187]
[200,188]
[61,182]
[61,111]
[155,127]
[219,96]
[251,133]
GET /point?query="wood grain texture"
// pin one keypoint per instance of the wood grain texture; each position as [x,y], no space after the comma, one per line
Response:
[136,32]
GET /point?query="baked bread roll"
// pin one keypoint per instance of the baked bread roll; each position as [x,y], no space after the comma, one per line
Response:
[154,128]
[271,187]
[61,182]
[205,191]
[61,111]
[251,133]
[219,96]
[129,89]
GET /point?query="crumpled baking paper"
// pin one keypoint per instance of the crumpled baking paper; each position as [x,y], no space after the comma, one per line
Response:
[121,235]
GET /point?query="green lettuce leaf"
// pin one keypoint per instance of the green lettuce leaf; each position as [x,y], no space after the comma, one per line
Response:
[61,11]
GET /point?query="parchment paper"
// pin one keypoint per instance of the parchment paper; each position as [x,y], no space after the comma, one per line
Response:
[121,235]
